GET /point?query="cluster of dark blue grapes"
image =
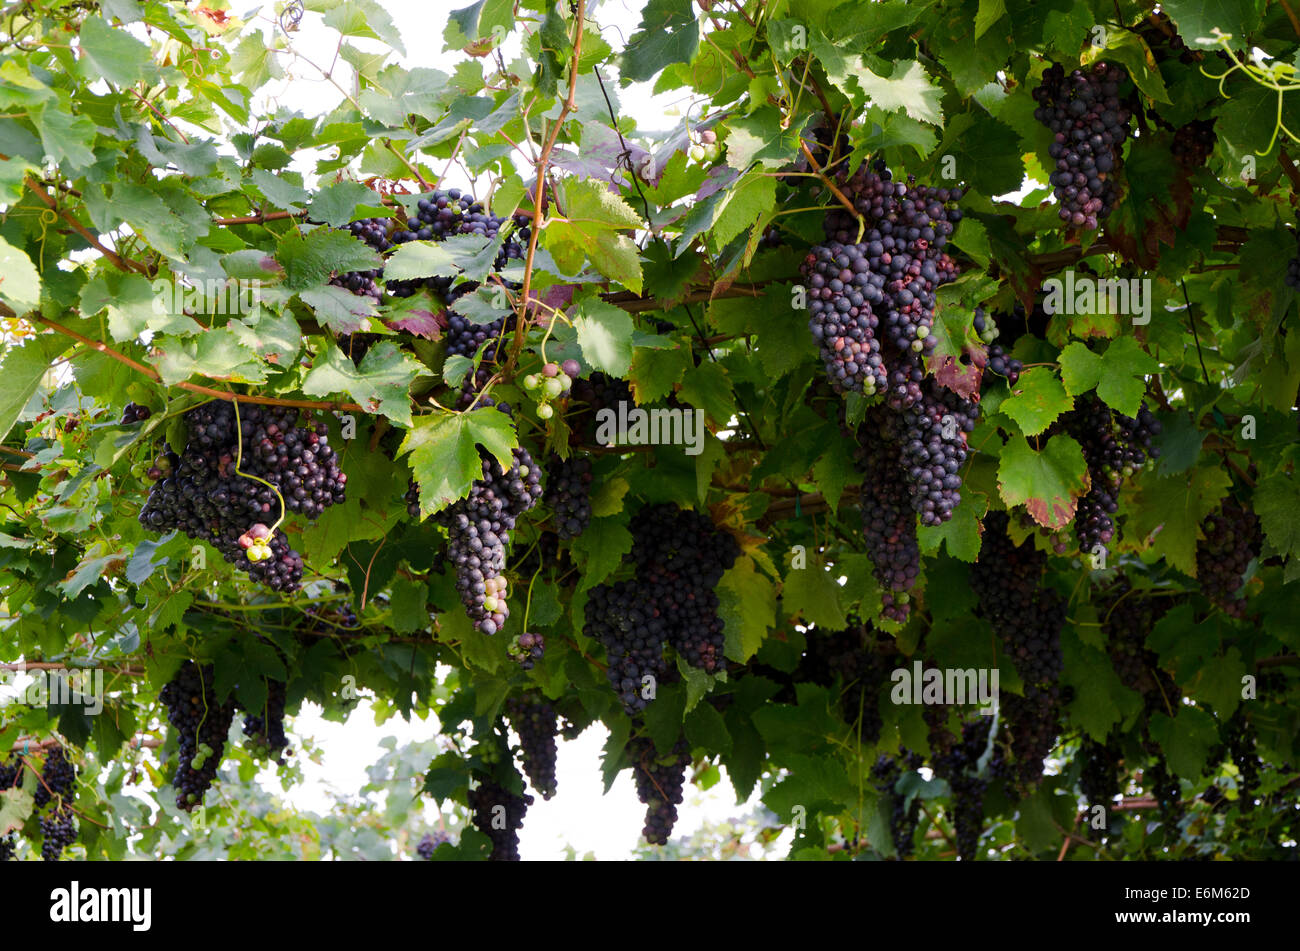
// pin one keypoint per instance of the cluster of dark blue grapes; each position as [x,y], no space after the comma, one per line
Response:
[999,362]
[56,787]
[590,396]
[264,729]
[9,777]
[527,649]
[201,495]
[903,817]
[479,527]
[1163,785]
[659,785]
[1007,581]
[872,297]
[58,831]
[537,724]
[135,413]
[1089,124]
[202,725]
[499,814]
[58,776]
[1194,143]
[430,842]
[679,557]
[568,493]
[1114,447]
[888,522]
[1232,539]
[931,436]
[439,215]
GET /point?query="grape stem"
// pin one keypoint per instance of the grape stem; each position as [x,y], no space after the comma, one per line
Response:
[239,458]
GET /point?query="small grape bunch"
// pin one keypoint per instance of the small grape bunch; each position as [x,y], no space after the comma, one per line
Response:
[527,648]
[707,149]
[554,381]
[256,543]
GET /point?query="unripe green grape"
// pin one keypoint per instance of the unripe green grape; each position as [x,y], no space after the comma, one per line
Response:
[544,411]
[552,388]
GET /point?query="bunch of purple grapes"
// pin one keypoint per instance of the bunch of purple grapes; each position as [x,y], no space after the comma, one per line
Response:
[1114,447]
[202,725]
[1007,581]
[1089,124]
[659,785]
[1232,539]
[568,493]
[203,496]
[537,724]
[678,557]
[479,526]
[888,521]
[499,814]
[264,729]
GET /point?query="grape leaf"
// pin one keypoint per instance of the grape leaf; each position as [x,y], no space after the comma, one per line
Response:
[1277,503]
[380,383]
[813,594]
[605,335]
[20,284]
[1186,738]
[309,259]
[747,604]
[1171,510]
[601,548]
[444,452]
[1048,483]
[669,34]
[1038,401]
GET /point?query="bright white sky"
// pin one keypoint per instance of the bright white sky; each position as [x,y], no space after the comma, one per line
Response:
[579,815]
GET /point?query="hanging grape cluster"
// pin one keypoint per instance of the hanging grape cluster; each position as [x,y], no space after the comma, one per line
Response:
[499,814]
[871,296]
[537,724]
[659,785]
[202,725]
[479,527]
[264,729]
[1114,447]
[202,495]
[959,765]
[568,493]
[1007,581]
[678,557]
[1231,540]
[1089,125]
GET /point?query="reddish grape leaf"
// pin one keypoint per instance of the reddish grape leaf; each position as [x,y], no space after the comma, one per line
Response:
[1048,484]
